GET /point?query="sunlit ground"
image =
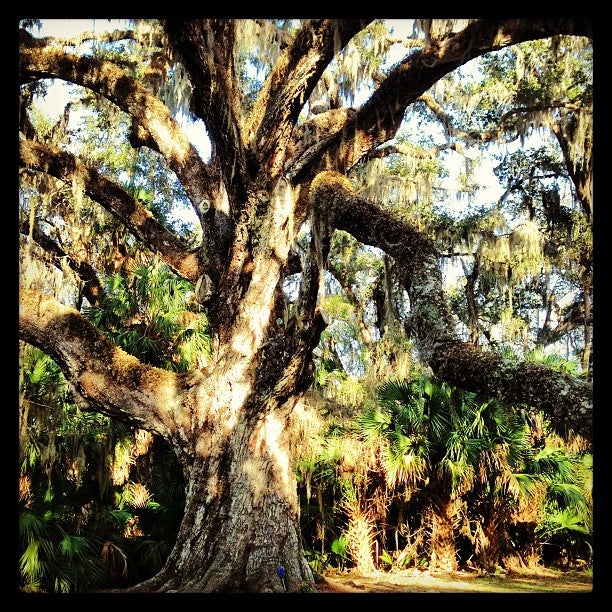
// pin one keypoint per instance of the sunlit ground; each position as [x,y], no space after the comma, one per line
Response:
[416,581]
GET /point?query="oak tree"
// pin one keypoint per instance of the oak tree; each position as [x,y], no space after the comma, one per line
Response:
[283,144]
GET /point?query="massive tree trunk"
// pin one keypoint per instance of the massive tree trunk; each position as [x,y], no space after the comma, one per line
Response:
[227,421]
[230,430]
[241,518]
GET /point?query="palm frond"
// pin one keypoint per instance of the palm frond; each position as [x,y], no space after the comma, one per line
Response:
[31,567]
[524,485]
[553,361]
[565,520]
[554,465]
[460,473]
[31,526]
[406,467]
[401,391]
[75,547]
[567,496]
[373,422]
[152,553]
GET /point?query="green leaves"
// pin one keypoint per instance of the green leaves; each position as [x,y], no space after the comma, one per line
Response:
[75,547]
[31,526]
[340,546]
[68,562]
[149,314]
[374,421]
[402,391]
[143,195]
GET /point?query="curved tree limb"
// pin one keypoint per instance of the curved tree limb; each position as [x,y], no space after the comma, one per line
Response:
[182,259]
[566,400]
[106,377]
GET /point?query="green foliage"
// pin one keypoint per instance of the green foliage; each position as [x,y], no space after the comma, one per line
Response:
[338,307]
[73,518]
[151,554]
[318,561]
[150,315]
[340,547]
[566,536]
[54,561]
[79,528]
[553,361]
[437,443]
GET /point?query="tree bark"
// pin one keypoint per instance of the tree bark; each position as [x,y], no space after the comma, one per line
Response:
[241,515]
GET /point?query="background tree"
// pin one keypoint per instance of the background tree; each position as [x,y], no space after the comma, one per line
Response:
[279,175]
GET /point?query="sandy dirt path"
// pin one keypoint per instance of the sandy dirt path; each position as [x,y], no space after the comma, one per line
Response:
[415,581]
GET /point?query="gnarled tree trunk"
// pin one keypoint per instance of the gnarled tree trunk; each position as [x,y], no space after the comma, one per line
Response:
[241,518]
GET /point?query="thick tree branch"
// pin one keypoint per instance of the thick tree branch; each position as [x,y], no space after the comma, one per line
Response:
[564,399]
[107,378]
[290,352]
[574,319]
[414,253]
[183,260]
[378,120]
